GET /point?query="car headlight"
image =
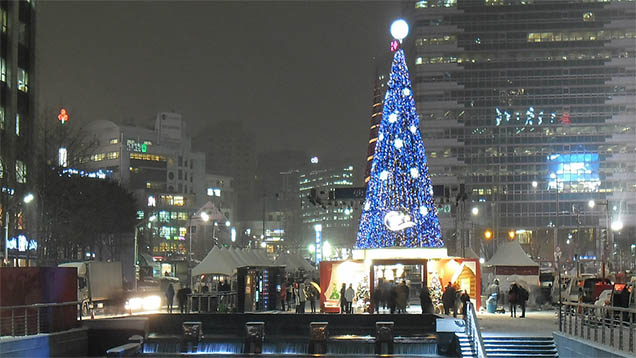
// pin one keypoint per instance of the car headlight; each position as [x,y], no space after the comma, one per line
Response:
[151,303]
[134,303]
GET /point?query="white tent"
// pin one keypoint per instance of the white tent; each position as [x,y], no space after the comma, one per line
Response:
[511,264]
[238,257]
[293,263]
[215,262]
[511,253]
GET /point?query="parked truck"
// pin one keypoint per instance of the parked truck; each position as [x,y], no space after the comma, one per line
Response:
[100,285]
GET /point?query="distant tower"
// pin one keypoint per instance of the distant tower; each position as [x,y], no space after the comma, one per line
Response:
[376,116]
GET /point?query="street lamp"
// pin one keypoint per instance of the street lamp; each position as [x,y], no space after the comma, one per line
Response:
[27,199]
[149,219]
[617,225]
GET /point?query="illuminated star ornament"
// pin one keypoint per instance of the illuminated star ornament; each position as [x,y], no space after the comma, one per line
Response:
[399,209]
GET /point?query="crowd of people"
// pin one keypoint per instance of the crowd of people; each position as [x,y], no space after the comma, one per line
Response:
[297,294]
[391,296]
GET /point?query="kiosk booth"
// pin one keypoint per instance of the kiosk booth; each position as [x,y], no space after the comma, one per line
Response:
[258,287]
[385,267]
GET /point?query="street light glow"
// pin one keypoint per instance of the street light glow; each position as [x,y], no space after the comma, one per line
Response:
[475,211]
[534,184]
[591,204]
[488,234]
[28,198]
[205,216]
[617,225]
[228,223]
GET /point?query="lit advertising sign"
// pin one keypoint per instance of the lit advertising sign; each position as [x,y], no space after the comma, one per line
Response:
[134,146]
[578,171]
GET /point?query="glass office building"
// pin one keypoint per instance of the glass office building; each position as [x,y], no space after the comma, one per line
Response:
[531,104]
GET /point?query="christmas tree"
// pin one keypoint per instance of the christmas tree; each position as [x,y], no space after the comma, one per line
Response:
[436,290]
[399,209]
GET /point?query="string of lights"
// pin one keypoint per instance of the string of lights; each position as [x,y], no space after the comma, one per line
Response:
[399,209]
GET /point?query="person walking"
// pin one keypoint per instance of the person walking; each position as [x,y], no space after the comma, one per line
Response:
[350,293]
[283,296]
[182,298]
[303,298]
[513,296]
[290,294]
[448,299]
[393,297]
[169,297]
[343,300]
[312,294]
[296,297]
[377,297]
[425,300]
[464,298]
[402,297]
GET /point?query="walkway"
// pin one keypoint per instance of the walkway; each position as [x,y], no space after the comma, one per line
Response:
[536,324]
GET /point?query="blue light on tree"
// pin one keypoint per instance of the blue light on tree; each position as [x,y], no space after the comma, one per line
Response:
[399,209]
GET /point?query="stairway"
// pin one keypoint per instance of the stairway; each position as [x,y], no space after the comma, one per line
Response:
[511,347]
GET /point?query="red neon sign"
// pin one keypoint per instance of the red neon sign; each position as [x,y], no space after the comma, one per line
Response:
[63,116]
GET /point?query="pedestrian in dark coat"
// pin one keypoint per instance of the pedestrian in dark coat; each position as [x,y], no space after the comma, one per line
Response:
[513,296]
[425,299]
[169,297]
[377,297]
[182,298]
[448,299]
[465,298]
[343,300]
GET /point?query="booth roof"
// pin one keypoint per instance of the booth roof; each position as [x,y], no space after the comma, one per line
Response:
[470,253]
[510,254]
[217,261]
[293,262]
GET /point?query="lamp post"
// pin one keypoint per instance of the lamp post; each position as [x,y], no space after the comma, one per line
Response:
[147,220]
[27,199]
[557,250]
[609,228]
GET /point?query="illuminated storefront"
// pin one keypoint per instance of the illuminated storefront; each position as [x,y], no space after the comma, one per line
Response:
[370,268]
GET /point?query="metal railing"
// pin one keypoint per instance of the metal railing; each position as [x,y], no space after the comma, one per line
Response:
[212,302]
[473,332]
[32,319]
[608,325]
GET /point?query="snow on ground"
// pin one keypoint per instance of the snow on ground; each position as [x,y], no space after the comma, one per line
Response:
[535,324]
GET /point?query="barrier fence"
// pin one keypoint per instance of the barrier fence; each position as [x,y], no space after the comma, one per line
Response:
[38,318]
[608,325]
[212,302]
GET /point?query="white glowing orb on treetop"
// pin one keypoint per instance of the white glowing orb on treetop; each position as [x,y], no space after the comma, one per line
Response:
[399,29]
[396,220]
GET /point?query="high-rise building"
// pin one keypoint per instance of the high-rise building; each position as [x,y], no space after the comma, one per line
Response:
[229,150]
[19,130]
[339,220]
[531,105]
[158,166]
[376,117]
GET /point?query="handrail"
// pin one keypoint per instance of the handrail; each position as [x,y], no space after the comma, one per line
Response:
[587,321]
[473,331]
[30,319]
[36,305]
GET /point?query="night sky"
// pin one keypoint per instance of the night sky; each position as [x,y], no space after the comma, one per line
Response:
[299,73]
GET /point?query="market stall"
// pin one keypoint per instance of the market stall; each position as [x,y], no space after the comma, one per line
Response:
[388,268]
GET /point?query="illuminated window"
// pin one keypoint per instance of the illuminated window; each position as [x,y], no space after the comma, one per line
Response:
[17,124]
[23,80]
[20,171]
[114,141]
[3,69]
[1,169]
[1,117]
[178,201]
[143,156]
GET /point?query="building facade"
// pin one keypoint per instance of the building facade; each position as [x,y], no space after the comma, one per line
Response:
[531,105]
[19,130]
[338,220]
[158,166]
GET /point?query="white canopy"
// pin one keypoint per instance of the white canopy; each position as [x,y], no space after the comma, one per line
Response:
[510,253]
[217,261]
[293,262]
